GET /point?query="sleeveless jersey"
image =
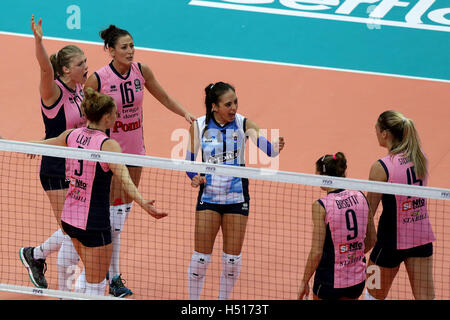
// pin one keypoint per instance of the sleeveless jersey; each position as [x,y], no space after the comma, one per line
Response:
[404,222]
[63,115]
[223,145]
[128,94]
[343,263]
[87,201]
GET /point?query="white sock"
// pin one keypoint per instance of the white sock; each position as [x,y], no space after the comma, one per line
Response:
[51,245]
[114,265]
[368,296]
[196,274]
[118,216]
[97,289]
[80,284]
[67,263]
[231,268]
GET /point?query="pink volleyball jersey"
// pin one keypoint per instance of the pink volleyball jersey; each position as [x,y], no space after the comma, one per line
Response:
[128,94]
[87,201]
[404,222]
[343,263]
[63,115]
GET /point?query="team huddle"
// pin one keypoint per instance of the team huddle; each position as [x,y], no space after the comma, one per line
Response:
[91,201]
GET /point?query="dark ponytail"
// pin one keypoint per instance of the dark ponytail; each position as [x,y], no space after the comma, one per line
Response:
[213,92]
[111,35]
[332,165]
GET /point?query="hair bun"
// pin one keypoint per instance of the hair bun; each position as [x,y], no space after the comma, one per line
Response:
[89,93]
[104,34]
[209,87]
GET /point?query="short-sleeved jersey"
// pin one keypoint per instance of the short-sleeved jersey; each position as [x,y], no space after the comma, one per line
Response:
[87,201]
[223,145]
[128,94]
[63,115]
[343,263]
[404,222]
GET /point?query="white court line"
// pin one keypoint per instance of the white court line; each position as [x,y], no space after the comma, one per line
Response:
[54,293]
[392,75]
[318,15]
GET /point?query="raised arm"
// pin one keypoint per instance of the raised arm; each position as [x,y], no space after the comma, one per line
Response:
[271,149]
[161,95]
[48,89]
[121,172]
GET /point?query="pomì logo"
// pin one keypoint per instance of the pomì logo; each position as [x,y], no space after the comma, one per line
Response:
[126,126]
[416,14]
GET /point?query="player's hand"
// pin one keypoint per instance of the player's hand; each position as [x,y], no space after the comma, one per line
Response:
[303,292]
[198,180]
[189,117]
[151,209]
[279,145]
[36,28]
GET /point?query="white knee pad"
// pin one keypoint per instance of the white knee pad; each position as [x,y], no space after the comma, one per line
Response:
[67,263]
[118,215]
[231,265]
[198,266]
[80,283]
[67,255]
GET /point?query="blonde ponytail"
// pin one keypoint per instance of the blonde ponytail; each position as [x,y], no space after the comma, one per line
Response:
[405,139]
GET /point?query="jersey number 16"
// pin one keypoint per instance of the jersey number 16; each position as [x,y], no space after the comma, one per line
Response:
[127,94]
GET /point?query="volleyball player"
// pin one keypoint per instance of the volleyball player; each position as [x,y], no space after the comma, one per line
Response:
[343,231]
[404,229]
[85,216]
[223,202]
[125,81]
[61,79]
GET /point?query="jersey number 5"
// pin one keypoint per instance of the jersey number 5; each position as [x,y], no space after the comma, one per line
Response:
[411,176]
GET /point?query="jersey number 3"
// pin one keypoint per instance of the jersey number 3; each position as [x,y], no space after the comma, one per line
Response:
[79,172]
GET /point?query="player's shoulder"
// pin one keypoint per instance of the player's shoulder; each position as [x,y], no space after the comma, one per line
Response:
[111,145]
[106,69]
[379,170]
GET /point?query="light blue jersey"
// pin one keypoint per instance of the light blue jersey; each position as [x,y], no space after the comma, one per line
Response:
[223,145]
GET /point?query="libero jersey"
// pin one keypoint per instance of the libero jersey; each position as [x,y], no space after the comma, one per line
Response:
[63,115]
[223,145]
[128,94]
[404,222]
[343,263]
[87,201]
